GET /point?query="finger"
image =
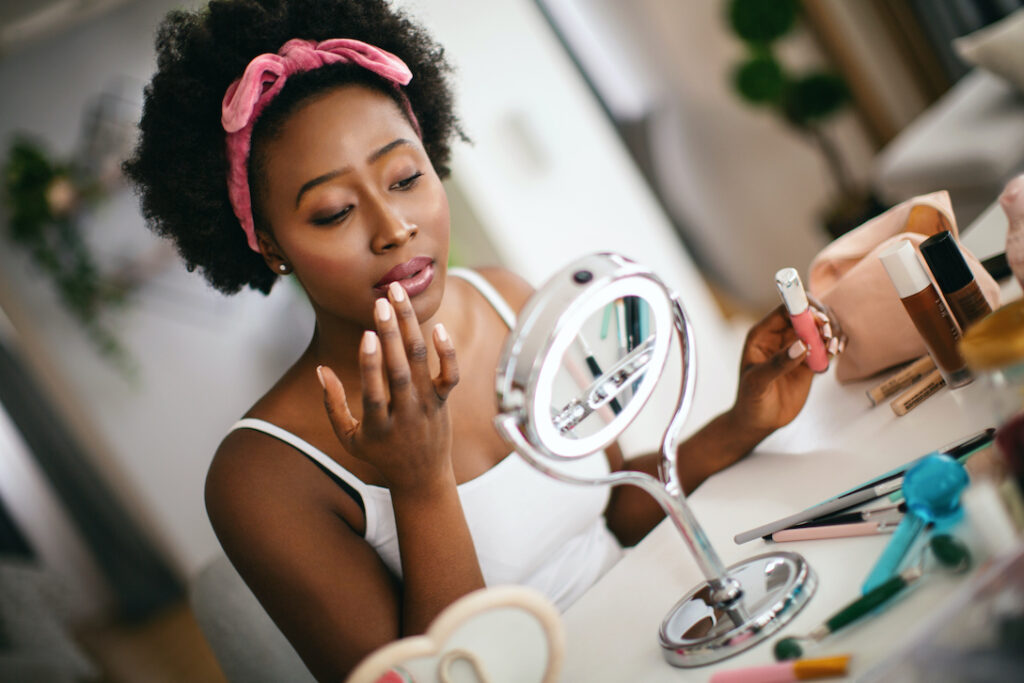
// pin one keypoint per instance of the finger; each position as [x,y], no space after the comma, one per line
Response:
[412,336]
[375,400]
[393,350]
[448,376]
[787,360]
[336,402]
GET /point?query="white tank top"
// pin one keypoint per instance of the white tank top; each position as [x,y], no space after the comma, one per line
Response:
[527,528]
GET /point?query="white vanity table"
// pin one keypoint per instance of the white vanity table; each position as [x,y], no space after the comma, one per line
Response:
[837,442]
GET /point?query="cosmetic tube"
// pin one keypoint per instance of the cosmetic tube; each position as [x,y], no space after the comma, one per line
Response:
[800,315]
[917,393]
[785,672]
[901,380]
[927,311]
[955,279]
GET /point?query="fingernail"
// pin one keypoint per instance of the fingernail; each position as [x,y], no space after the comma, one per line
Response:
[397,291]
[383,310]
[369,342]
[796,349]
[833,346]
[320,375]
[442,334]
[826,331]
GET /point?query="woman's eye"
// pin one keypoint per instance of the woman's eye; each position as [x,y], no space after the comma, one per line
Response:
[331,218]
[407,183]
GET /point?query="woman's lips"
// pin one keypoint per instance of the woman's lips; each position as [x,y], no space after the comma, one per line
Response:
[414,275]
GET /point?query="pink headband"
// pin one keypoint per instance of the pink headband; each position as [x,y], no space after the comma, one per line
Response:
[263,79]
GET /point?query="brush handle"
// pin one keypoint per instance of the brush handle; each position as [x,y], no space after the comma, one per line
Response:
[889,562]
[871,600]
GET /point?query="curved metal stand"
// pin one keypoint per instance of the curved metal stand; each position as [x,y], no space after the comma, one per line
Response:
[735,607]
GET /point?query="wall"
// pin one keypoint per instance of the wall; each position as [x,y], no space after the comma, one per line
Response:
[747,191]
[545,180]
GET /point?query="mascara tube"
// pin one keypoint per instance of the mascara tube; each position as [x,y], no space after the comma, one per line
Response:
[795,298]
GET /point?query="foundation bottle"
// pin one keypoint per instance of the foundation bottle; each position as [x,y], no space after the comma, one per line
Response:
[955,279]
[927,311]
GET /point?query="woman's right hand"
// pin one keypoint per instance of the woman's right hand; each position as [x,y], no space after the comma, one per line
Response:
[408,440]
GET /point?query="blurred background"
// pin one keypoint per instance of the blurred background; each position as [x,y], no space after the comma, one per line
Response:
[715,141]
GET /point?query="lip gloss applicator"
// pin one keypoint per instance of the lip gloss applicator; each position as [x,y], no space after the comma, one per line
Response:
[795,299]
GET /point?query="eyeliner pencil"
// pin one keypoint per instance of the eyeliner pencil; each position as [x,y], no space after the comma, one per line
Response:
[814,533]
[821,509]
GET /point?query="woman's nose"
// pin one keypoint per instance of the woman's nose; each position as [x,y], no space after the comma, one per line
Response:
[393,231]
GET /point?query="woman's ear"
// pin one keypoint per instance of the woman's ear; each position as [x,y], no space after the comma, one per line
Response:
[272,254]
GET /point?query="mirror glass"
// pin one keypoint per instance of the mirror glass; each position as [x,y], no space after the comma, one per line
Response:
[600,372]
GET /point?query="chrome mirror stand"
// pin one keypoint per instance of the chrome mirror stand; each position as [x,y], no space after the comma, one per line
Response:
[735,607]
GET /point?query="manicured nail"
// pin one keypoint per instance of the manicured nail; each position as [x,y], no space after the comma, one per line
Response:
[369,342]
[442,334]
[397,291]
[833,346]
[826,331]
[320,376]
[796,349]
[383,310]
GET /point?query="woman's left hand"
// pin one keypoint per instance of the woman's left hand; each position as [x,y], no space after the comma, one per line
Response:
[774,381]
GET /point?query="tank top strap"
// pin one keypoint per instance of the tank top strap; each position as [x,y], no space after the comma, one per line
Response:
[489,292]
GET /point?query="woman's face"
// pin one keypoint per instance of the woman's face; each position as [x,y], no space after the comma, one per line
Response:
[355,203]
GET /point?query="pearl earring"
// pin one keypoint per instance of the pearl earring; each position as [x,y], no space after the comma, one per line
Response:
[283,267]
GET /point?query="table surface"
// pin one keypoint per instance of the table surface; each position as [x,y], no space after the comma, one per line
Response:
[837,442]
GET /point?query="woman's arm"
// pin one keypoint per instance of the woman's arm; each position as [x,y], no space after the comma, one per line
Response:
[279,520]
[773,386]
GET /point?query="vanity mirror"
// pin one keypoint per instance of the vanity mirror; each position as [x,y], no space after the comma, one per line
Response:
[582,362]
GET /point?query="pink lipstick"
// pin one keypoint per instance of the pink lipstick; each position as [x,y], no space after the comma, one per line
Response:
[415,275]
[795,298]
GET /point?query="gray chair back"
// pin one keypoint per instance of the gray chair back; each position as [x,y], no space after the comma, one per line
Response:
[248,645]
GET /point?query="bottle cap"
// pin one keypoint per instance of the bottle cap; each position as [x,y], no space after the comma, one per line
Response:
[792,290]
[946,262]
[905,269]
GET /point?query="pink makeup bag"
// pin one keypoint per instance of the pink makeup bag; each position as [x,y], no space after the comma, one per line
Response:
[848,277]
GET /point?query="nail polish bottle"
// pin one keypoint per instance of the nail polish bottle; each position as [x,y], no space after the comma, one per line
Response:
[955,279]
[795,299]
[927,311]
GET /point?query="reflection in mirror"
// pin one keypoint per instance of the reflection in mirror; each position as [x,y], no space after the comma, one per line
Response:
[601,371]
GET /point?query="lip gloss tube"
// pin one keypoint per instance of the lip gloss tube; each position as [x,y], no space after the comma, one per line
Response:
[795,299]
[955,279]
[927,311]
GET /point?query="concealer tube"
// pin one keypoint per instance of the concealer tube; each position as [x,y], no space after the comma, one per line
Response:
[927,311]
[794,297]
[901,380]
[955,279]
[916,394]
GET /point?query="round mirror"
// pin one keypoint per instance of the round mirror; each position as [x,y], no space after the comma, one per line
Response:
[584,357]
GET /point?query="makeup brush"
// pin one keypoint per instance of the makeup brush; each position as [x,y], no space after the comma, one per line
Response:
[950,553]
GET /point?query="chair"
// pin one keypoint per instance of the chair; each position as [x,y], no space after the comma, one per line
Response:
[244,639]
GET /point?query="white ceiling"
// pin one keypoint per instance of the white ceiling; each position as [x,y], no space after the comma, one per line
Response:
[24,21]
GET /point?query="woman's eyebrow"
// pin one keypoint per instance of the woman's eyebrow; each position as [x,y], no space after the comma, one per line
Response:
[387,148]
[374,156]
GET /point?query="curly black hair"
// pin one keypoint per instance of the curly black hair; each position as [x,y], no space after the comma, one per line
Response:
[179,166]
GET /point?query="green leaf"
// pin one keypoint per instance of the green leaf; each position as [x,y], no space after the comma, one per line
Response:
[762,21]
[814,97]
[760,80]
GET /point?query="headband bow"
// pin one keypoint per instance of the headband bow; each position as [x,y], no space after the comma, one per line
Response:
[263,79]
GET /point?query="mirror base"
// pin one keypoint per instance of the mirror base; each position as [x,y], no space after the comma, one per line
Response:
[775,587]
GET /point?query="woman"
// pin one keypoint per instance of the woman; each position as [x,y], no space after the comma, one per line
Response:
[367,489]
